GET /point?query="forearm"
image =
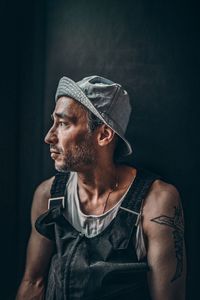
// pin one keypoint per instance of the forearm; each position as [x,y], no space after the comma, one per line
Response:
[31,290]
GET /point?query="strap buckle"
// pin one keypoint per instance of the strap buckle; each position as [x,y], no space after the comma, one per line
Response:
[55,202]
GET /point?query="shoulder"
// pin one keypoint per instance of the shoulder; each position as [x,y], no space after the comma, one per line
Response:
[162,195]
[163,199]
[40,198]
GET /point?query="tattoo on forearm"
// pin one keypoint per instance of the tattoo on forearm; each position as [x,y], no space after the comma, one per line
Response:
[176,222]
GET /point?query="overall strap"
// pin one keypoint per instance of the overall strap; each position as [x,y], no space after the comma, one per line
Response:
[132,204]
[58,190]
[45,222]
[129,213]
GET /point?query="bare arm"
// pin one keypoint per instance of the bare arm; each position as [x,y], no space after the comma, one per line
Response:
[39,251]
[164,228]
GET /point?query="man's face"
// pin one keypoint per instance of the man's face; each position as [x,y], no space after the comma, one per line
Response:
[72,146]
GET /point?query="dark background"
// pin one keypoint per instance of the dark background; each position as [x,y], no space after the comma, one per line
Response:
[150,47]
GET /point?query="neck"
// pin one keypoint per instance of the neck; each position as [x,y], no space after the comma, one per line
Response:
[98,180]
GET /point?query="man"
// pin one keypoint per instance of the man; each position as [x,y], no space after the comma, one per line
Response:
[101,229]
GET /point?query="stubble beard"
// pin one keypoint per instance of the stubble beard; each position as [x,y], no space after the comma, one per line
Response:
[81,156]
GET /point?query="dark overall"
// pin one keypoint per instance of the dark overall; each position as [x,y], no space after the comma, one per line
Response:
[104,266]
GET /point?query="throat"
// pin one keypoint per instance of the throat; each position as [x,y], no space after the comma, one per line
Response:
[98,204]
[105,194]
[104,203]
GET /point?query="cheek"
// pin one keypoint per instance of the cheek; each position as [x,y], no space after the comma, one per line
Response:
[70,140]
[64,140]
[81,138]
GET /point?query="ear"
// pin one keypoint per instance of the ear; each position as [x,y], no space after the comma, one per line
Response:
[105,135]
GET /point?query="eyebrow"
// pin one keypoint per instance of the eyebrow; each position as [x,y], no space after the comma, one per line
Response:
[64,116]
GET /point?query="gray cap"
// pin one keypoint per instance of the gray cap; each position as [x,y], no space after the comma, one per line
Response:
[104,98]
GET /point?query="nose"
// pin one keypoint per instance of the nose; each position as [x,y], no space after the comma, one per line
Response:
[51,136]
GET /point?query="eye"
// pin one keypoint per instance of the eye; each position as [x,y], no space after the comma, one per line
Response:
[62,124]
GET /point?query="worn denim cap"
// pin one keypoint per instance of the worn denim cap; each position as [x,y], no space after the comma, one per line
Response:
[104,98]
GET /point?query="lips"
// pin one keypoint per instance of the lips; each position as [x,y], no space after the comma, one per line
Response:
[52,150]
[54,153]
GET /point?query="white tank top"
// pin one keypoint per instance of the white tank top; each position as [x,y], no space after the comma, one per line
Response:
[92,225]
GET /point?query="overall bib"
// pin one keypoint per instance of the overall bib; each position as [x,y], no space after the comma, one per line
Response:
[101,267]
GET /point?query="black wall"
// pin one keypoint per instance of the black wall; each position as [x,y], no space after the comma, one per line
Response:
[150,47]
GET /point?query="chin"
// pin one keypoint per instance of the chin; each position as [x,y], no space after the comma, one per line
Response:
[61,168]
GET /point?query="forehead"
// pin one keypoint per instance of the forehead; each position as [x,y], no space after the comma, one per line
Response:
[68,106]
